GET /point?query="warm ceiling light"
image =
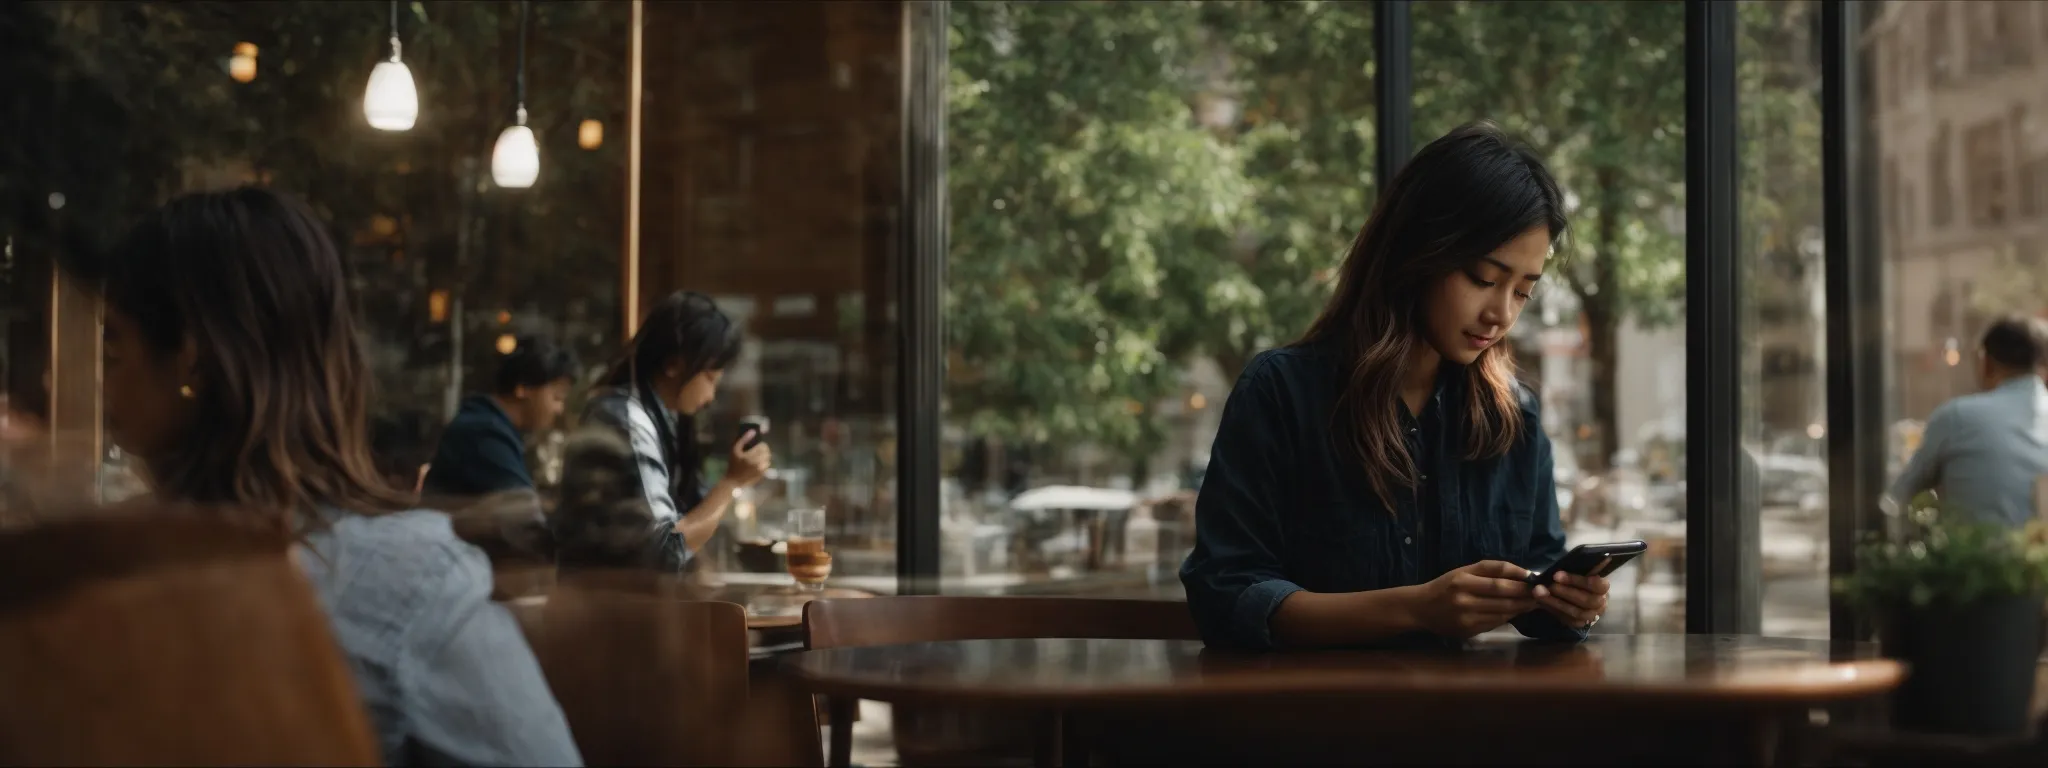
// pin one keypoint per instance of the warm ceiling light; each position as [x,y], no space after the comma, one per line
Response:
[242,66]
[504,318]
[515,161]
[507,343]
[1197,402]
[437,306]
[392,101]
[590,134]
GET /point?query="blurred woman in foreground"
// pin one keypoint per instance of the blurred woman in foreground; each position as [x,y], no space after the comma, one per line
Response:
[234,373]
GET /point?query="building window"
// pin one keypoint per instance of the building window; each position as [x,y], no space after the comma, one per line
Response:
[1907,209]
[1980,34]
[1985,171]
[1938,44]
[2033,187]
[1888,188]
[2014,42]
[1943,190]
[1891,69]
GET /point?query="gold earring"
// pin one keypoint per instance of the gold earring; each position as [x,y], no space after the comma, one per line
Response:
[185,391]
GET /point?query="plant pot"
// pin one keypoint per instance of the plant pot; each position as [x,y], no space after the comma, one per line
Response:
[1970,667]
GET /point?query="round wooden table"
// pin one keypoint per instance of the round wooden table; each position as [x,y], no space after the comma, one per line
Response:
[780,607]
[1615,697]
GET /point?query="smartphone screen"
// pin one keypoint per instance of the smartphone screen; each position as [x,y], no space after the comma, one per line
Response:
[756,426]
[1584,558]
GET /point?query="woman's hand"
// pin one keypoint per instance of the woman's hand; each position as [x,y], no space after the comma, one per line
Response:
[1576,600]
[1474,599]
[748,465]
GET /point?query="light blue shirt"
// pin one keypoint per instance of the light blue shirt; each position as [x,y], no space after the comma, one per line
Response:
[1982,452]
[445,674]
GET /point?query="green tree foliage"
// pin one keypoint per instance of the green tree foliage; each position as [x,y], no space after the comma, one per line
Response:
[1162,181]
[1136,183]
[1174,180]
[1598,89]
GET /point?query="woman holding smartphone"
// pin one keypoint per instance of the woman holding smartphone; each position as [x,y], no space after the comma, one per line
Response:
[1387,477]
[649,400]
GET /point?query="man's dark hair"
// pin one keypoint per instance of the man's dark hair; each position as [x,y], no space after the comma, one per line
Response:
[2015,342]
[535,362]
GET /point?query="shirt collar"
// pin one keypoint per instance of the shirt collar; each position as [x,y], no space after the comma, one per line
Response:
[2028,382]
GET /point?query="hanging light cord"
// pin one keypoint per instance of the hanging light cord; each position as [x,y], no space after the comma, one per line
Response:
[394,30]
[519,84]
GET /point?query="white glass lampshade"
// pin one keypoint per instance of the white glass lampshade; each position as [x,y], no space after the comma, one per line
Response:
[515,163]
[391,102]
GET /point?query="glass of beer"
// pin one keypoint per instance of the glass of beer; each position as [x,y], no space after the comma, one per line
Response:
[809,563]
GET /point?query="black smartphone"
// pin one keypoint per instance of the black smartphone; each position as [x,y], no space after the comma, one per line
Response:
[756,427]
[1585,557]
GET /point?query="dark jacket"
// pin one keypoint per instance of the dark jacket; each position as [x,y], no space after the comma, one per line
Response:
[480,478]
[480,453]
[1285,507]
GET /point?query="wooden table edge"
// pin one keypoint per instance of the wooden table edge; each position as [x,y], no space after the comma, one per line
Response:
[1874,677]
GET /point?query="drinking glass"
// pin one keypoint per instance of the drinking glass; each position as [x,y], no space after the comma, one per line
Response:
[809,563]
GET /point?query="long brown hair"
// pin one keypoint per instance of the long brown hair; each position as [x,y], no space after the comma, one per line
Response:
[252,280]
[1459,199]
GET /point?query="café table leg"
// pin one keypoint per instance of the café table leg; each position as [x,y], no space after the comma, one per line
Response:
[1047,749]
[1073,743]
[841,709]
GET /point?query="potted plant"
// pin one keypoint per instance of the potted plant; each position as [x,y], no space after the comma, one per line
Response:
[1960,602]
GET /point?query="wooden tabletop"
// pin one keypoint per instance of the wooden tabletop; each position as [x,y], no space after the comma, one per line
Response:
[1611,668]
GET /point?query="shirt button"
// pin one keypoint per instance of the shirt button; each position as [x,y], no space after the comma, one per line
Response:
[1407,540]
[1425,477]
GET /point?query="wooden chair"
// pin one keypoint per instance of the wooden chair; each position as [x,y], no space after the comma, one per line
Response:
[168,639]
[967,736]
[646,677]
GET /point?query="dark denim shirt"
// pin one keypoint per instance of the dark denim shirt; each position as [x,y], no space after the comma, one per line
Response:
[1285,507]
[480,453]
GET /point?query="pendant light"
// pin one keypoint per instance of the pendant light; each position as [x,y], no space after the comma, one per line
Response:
[391,102]
[515,162]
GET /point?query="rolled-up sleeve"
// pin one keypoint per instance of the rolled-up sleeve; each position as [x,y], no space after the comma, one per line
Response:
[1546,539]
[1234,577]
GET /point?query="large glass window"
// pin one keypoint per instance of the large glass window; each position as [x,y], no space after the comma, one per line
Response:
[1143,196]
[1597,88]
[767,146]
[139,102]
[1781,310]
[771,181]
[1964,243]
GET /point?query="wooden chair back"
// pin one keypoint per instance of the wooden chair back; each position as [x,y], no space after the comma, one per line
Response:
[922,618]
[167,639]
[643,678]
